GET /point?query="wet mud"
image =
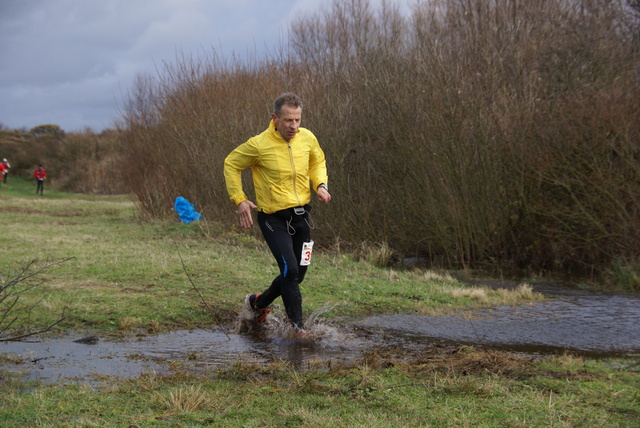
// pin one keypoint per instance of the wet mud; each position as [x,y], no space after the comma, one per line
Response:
[570,320]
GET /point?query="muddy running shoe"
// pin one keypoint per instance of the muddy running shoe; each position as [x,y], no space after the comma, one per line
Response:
[260,313]
[299,332]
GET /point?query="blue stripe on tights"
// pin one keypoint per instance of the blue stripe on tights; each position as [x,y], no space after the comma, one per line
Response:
[284,274]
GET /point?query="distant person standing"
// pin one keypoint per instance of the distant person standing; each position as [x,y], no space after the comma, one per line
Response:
[5,169]
[40,174]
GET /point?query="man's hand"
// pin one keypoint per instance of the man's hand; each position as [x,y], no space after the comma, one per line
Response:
[324,195]
[244,213]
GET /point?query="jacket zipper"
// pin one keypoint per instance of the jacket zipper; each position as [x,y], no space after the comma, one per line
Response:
[293,168]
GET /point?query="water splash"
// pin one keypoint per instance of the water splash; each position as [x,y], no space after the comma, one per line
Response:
[277,326]
[326,308]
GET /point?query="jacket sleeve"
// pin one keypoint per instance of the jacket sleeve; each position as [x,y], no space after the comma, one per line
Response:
[242,157]
[317,166]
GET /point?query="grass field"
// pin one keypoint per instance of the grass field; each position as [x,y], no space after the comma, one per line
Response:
[120,267]
[119,273]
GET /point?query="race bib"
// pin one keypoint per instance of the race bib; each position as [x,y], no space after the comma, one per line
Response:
[305,259]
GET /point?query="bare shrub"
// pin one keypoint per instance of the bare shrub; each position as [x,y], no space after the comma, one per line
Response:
[83,162]
[179,130]
[92,163]
[17,303]
[478,133]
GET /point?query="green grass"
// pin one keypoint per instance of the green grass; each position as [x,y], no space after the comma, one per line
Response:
[123,267]
[464,389]
[127,273]
[623,275]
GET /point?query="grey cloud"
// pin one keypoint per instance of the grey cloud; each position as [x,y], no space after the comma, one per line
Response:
[69,61]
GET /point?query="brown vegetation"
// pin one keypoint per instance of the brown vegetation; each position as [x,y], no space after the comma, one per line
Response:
[477,133]
[83,162]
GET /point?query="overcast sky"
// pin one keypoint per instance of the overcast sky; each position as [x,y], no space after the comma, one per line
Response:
[70,62]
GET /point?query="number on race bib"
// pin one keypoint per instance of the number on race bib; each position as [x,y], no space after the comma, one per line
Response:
[305,258]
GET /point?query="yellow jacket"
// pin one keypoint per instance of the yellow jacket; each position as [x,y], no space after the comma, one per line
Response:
[281,171]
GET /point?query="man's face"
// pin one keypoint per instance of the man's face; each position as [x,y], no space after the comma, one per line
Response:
[288,122]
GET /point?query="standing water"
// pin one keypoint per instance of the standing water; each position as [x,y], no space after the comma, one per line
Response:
[586,322]
[74,358]
[578,321]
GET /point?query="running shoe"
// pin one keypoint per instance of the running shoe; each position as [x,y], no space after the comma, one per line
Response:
[260,313]
[299,333]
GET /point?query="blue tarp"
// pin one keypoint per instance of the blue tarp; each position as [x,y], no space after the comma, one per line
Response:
[185,210]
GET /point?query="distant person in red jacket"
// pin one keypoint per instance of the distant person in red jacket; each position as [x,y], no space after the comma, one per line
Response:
[4,168]
[40,174]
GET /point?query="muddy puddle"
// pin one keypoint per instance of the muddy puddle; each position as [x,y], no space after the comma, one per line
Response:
[577,321]
[62,359]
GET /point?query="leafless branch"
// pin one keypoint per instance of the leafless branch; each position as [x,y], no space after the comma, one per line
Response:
[15,309]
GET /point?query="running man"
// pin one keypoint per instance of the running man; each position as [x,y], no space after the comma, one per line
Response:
[285,161]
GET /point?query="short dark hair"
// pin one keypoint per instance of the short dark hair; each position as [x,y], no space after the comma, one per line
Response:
[288,98]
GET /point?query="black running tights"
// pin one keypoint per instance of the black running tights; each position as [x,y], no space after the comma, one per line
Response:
[285,232]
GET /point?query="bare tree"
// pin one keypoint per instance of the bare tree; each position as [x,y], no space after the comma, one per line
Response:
[16,312]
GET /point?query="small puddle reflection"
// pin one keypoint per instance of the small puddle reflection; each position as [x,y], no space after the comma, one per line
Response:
[60,359]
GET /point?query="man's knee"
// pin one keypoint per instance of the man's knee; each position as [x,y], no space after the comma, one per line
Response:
[301,272]
[293,273]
